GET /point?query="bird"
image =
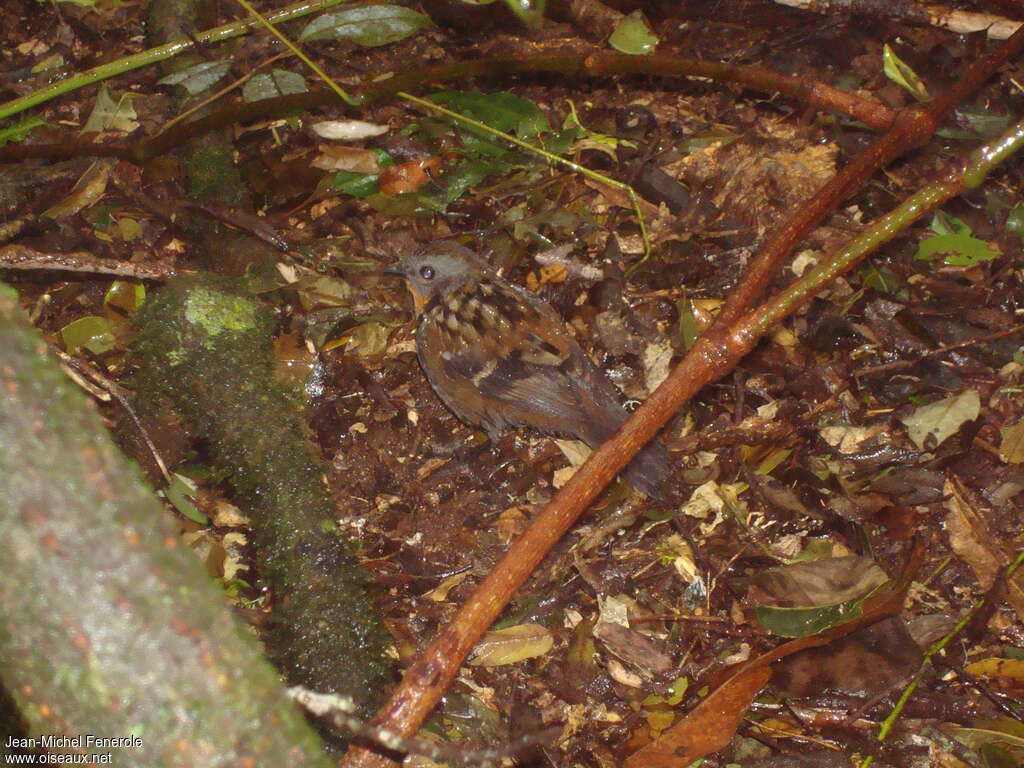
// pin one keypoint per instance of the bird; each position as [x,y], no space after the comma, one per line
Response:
[500,358]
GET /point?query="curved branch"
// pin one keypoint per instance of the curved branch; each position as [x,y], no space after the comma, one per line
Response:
[597,64]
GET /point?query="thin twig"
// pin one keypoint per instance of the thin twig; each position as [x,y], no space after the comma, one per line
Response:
[106,389]
[340,711]
[222,92]
[160,53]
[598,64]
[550,157]
[22,258]
[935,352]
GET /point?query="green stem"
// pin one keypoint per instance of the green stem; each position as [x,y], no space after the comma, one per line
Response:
[550,157]
[266,22]
[936,648]
[160,53]
[972,173]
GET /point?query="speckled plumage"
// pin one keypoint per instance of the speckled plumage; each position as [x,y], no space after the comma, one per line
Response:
[499,357]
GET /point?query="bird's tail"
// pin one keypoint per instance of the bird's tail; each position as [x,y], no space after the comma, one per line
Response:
[649,470]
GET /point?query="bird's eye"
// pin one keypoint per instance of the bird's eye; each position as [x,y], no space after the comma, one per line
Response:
[427,272]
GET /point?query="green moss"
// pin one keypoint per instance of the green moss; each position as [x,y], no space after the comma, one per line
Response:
[217,312]
[207,347]
[211,173]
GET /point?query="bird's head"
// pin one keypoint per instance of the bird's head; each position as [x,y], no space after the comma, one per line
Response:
[434,269]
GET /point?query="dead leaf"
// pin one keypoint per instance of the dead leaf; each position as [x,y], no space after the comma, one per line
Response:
[440,593]
[971,539]
[87,191]
[657,363]
[995,667]
[334,157]
[629,645]
[1011,449]
[829,581]
[347,130]
[511,645]
[410,176]
[930,425]
[708,728]
[711,724]
[851,439]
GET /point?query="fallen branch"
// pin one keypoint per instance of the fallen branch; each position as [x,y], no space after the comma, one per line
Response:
[961,22]
[873,114]
[160,53]
[19,257]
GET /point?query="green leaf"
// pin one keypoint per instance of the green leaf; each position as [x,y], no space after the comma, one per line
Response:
[178,493]
[92,332]
[502,111]
[356,184]
[900,73]
[368,25]
[802,622]
[466,175]
[511,645]
[124,296]
[1015,220]
[944,224]
[199,77]
[633,35]
[16,133]
[689,329]
[985,124]
[821,593]
[278,83]
[960,250]
[704,139]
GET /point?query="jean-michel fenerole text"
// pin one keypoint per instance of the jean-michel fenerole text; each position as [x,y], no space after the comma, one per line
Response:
[80,741]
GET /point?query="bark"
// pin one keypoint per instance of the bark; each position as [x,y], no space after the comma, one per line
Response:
[108,624]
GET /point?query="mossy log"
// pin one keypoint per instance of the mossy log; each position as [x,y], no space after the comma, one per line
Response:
[206,348]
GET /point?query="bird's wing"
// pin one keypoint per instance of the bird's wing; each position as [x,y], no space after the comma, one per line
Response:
[521,362]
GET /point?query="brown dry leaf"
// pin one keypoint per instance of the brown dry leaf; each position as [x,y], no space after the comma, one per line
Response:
[629,645]
[1011,449]
[513,521]
[511,645]
[553,273]
[829,581]
[930,425]
[971,539]
[995,667]
[708,728]
[87,191]
[619,197]
[440,593]
[410,176]
[334,157]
